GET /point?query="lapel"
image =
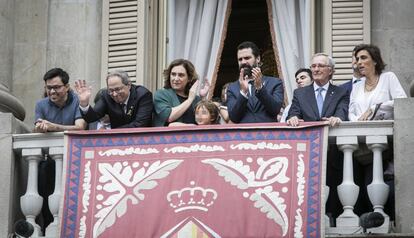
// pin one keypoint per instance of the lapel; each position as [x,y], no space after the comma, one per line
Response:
[254,101]
[328,99]
[310,95]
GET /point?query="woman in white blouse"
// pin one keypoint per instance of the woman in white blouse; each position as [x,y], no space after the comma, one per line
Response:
[373,98]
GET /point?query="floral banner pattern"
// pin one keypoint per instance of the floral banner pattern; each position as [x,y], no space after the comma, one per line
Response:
[244,181]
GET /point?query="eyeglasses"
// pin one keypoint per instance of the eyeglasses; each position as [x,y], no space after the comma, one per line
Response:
[115,90]
[313,66]
[54,87]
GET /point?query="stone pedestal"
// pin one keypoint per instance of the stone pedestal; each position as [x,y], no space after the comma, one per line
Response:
[9,197]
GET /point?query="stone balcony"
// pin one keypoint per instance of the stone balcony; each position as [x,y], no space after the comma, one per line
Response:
[349,137]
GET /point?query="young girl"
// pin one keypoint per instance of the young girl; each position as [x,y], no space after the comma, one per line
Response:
[206,113]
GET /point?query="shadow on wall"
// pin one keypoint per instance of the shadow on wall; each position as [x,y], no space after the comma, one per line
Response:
[412,89]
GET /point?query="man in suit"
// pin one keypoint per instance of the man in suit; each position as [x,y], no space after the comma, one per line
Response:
[356,77]
[254,97]
[320,101]
[126,104]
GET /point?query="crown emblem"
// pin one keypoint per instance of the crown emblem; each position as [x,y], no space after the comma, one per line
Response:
[193,197]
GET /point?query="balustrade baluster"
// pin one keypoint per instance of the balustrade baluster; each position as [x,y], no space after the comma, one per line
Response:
[378,190]
[31,202]
[56,153]
[348,191]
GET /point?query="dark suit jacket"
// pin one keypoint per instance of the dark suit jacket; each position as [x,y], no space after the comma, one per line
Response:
[139,109]
[262,106]
[304,104]
[347,86]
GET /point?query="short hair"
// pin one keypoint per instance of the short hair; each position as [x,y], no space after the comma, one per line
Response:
[57,72]
[375,54]
[308,71]
[251,45]
[99,95]
[189,68]
[331,62]
[123,75]
[211,108]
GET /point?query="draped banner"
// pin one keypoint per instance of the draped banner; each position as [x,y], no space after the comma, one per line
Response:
[257,180]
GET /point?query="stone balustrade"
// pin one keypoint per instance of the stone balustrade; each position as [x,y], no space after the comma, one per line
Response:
[349,137]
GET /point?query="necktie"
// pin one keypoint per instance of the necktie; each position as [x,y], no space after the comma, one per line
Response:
[251,89]
[357,80]
[319,100]
[123,106]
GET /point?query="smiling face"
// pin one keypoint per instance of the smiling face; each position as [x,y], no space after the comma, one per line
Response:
[303,79]
[366,64]
[118,91]
[321,70]
[56,90]
[179,79]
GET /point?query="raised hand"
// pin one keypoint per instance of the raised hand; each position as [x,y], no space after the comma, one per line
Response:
[204,90]
[84,92]
[243,81]
[257,76]
[193,91]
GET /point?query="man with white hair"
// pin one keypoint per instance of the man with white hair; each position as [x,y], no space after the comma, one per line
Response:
[320,101]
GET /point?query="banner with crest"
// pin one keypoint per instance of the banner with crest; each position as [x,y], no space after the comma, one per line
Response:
[257,180]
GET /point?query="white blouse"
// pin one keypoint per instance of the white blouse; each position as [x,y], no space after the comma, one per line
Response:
[387,89]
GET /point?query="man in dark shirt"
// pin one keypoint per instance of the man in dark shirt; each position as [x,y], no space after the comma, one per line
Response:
[126,104]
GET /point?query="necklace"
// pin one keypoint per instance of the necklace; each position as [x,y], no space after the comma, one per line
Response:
[371,86]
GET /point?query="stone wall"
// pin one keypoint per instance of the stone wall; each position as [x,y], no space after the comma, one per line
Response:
[404,165]
[54,33]
[392,30]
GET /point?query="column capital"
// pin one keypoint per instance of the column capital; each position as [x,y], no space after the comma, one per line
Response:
[58,150]
[36,152]
[376,140]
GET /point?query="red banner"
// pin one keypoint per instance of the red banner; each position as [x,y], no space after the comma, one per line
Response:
[255,180]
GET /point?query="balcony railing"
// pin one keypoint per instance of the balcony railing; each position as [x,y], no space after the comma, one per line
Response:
[349,137]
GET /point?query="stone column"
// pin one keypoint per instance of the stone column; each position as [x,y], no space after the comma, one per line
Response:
[8,102]
[348,191]
[31,202]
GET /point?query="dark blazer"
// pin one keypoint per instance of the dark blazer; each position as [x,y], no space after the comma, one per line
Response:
[139,109]
[347,86]
[304,104]
[262,106]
